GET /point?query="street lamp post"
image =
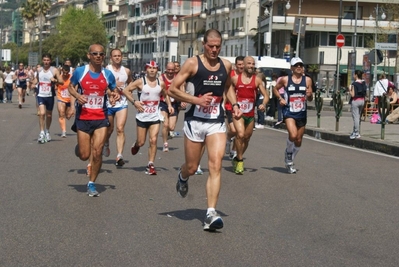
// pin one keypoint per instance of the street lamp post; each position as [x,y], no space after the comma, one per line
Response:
[298,40]
[383,16]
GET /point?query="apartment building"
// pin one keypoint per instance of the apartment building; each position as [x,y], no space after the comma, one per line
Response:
[361,21]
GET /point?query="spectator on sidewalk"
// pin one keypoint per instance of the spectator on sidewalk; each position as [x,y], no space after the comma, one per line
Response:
[393,99]
[358,92]
[273,100]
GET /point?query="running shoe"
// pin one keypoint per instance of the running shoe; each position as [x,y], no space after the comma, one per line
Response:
[119,161]
[135,149]
[88,170]
[171,134]
[41,139]
[289,164]
[150,170]
[199,171]
[213,221]
[233,154]
[91,190]
[239,167]
[234,162]
[63,135]
[48,137]
[165,147]
[181,186]
[106,150]
[19,106]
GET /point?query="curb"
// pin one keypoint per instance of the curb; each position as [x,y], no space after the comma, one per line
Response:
[337,137]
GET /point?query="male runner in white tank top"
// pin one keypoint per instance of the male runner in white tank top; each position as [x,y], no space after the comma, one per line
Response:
[117,114]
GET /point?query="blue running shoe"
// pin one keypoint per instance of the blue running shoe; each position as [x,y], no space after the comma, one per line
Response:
[91,190]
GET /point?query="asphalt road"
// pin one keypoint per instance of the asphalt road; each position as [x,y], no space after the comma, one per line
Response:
[340,209]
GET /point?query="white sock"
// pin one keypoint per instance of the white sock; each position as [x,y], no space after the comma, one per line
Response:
[90,182]
[209,210]
[290,146]
[181,178]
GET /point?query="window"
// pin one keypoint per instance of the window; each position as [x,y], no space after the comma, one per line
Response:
[350,12]
[331,39]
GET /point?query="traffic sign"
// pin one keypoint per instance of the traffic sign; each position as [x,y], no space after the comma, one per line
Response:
[340,40]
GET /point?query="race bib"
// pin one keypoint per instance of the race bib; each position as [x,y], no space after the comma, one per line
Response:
[297,103]
[65,93]
[210,112]
[45,89]
[150,107]
[246,104]
[94,102]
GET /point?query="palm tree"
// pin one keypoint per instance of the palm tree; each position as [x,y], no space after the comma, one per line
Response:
[36,9]
[313,69]
[29,16]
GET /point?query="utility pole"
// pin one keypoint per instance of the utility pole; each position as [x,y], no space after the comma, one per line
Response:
[338,48]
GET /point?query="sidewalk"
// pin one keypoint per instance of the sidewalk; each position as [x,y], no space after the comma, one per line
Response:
[370,133]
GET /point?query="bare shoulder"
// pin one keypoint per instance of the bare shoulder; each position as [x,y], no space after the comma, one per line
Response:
[227,64]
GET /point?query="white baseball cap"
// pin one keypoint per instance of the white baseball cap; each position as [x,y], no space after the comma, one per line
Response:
[296,60]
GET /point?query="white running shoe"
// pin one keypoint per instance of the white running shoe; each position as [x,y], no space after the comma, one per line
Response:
[48,137]
[42,138]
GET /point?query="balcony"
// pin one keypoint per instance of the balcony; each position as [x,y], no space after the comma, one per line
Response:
[133,55]
[315,23]
[240,5]
[121,17]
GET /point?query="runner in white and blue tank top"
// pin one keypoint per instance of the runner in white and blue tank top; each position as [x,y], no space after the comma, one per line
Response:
[297,91]
[208,78]
[117,114]
[147,114]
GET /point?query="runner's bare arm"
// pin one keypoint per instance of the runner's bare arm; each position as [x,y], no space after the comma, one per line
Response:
[58,77]
[127,91]
[263,91]
[167,98]
[72,109]
[309,91]
[188,69]
[280,84]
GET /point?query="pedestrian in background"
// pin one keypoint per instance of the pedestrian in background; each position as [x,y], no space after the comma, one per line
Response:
[358,92]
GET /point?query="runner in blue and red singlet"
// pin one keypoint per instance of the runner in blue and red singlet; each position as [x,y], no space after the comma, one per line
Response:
[94,84]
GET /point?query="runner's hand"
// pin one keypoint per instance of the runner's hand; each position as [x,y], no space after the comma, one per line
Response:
[205,100]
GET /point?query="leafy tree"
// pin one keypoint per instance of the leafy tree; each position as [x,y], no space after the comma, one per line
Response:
[77,30]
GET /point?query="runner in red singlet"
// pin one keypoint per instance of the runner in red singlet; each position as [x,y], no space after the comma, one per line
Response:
[246,85]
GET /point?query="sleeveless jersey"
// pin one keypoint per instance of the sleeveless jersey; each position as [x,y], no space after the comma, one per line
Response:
[246,95]
[150,97]
[21,78]
[45,86]
[62,90]
[167,85]
[295,95]
[93,86]
[121,76]
[205,81]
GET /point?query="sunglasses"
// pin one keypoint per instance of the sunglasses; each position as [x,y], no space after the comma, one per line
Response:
[298,65]
[97,54]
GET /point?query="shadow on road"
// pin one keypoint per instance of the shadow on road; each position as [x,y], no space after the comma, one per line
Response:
[189,214]
[82,188]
